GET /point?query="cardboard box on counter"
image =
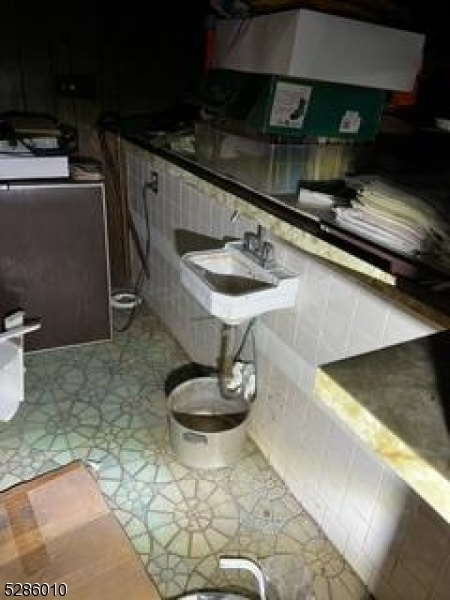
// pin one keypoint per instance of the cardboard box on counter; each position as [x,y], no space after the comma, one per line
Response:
[314,45]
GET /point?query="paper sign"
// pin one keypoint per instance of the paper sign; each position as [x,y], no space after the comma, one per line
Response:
[290,104]
[350,122]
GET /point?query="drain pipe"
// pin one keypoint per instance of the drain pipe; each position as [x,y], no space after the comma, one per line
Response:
[226,364]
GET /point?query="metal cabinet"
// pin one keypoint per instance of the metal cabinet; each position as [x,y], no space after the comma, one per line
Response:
[54,260]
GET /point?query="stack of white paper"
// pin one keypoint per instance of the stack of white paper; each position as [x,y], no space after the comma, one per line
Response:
[395,219]
[28,166]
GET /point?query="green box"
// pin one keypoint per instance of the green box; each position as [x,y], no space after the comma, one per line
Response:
[296,108]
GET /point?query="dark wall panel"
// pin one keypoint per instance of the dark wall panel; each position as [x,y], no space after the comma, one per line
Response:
[126,63]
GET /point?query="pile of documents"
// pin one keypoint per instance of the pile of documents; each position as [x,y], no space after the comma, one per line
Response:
[394,219]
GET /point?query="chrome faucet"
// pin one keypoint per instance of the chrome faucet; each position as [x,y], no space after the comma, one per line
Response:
[259,247]
[247,564]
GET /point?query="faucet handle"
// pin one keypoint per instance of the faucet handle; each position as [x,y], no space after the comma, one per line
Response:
[267,253]
[250,241]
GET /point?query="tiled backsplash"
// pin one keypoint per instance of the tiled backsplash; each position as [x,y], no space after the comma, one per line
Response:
[371,516]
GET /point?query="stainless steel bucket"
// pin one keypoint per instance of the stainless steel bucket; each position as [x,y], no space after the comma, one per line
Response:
[206,431]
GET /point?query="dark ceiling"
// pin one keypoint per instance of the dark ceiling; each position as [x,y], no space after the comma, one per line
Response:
[417,15]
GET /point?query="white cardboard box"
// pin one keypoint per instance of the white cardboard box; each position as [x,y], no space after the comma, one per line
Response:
[33,167]
[312,45]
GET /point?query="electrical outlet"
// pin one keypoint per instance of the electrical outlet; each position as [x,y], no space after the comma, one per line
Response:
[76,86]
[154,181]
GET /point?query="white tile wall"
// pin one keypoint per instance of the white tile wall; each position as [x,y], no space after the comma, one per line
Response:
[402,325]
[364,484]
[395,543]
[389,521]
[339,455]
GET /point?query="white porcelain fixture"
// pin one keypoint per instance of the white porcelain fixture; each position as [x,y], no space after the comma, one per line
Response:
[246,564]
[233,562]
[233,287]
[12,370]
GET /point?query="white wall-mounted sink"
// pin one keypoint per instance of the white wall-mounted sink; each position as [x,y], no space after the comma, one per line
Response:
[233,287]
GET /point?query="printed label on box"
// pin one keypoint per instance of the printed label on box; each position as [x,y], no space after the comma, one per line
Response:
[290,105]
[350,122]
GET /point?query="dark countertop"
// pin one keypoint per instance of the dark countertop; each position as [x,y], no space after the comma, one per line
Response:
[415,279]
[397,400]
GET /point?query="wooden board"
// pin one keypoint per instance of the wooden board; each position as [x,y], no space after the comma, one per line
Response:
[58,529]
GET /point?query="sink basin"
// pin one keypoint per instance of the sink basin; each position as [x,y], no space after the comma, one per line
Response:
[233,287]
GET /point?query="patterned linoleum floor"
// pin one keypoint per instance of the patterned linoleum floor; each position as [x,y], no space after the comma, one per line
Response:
[104,403]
